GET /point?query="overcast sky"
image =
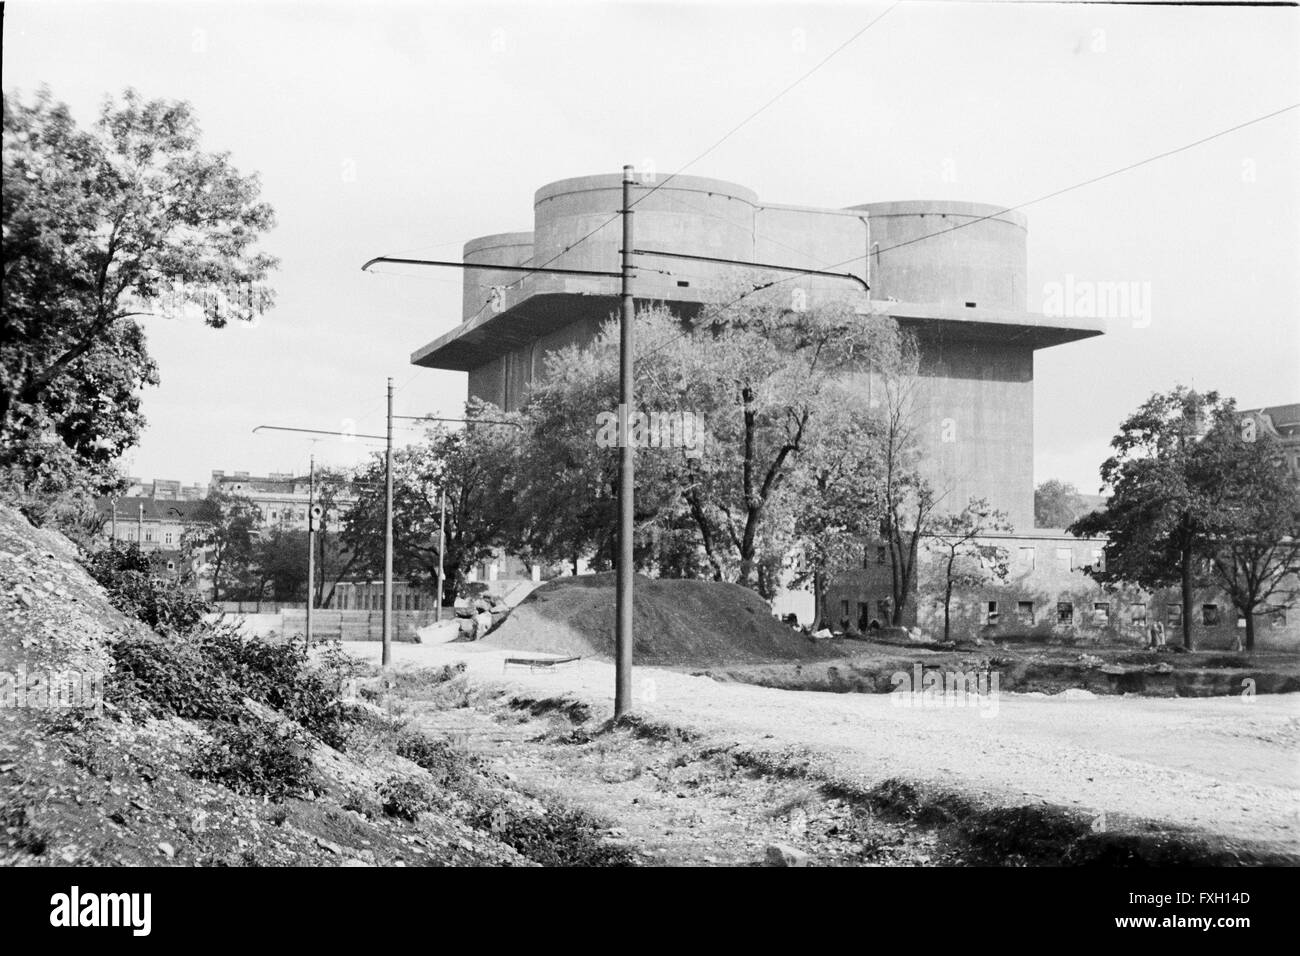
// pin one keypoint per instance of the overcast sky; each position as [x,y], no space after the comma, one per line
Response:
[402,128]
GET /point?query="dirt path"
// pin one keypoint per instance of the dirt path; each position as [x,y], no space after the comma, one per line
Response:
[1222,765]
[676,803]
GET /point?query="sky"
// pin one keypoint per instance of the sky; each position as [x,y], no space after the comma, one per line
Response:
[401,128]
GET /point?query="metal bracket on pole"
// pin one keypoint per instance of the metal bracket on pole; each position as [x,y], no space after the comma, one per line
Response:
[492,267]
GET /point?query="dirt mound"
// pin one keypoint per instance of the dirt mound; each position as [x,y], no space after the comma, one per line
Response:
[676,622]
[95,786]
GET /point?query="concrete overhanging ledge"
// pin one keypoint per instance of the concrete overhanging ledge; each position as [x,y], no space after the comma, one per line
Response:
[488,336]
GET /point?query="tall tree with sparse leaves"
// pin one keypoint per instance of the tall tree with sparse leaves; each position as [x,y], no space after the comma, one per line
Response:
[225,528]
[465,464]
[961,559]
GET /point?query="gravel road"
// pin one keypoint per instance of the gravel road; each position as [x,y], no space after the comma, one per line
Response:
[1227,765]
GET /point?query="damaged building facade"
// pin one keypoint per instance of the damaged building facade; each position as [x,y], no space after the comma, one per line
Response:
[954,274]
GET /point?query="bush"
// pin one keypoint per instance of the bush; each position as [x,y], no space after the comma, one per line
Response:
[137,588]
[207,676]
[559,838]
[155,676]
[281,676]
[445,763]
[258,758]
[405,799]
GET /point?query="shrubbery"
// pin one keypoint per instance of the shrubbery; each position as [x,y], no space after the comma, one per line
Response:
[137,588]
[259,758]
[405,799]
[559,838]
[281,676]
[188,668]
[445,763]
[207,675]
[154,676]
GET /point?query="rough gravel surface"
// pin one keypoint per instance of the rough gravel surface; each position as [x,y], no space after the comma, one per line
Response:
[1225,766]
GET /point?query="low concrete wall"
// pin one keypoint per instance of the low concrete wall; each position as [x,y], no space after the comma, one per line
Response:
[331,625]
[259,607]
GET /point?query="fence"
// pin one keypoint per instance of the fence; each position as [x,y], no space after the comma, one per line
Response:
[334,625]
[259,607]
[355,625]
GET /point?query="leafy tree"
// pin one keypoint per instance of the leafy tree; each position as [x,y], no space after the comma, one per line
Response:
[102,225]
[961,559]
[908,504]
[768,378]
[773,393]
[334,562]
[458,461]
[1161,514]
[1254,509]
[561,483]
[279,559]
[138,584]
[836,495]
[225,527]
[1057,504]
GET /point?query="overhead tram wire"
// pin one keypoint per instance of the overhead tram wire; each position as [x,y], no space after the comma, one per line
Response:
[726,136]
[1079,185]
[754,115]
[1058,192]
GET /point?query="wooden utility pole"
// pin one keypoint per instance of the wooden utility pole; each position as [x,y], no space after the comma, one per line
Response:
[311,542]
[626,470]
[388,535]
[623,632]
[442,544]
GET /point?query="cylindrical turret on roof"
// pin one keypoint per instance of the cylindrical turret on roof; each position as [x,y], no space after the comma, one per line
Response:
[949,253]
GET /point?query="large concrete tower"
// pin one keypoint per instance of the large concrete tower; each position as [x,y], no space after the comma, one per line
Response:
[955,273]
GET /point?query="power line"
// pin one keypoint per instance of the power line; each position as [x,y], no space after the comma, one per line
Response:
[726,136]
[1058,192]
[752,116]
[1087,182]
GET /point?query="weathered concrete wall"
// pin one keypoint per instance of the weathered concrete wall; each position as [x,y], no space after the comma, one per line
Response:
[505,381]
[487,382]
[984,261]
[974,413]
[962,291]
[504,248]
[690,214]
[976,424]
